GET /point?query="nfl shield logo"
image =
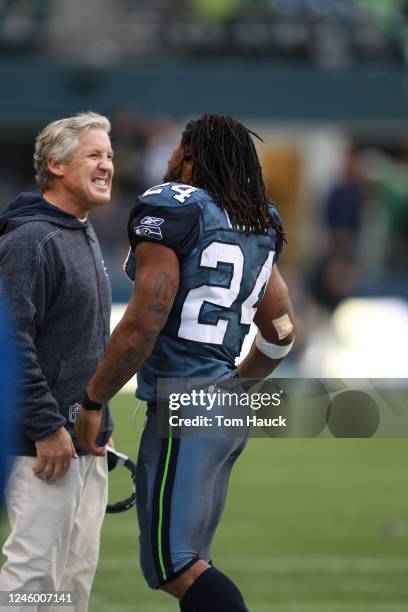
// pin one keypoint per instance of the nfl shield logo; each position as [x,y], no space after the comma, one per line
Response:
[72,412]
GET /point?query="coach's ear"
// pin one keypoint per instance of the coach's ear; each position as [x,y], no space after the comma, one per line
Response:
[55,167]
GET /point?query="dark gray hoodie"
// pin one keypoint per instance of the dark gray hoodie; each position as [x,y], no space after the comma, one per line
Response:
[59,297]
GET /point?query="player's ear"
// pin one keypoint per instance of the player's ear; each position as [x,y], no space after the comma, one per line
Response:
[55,167]
[187,170]
[187,153]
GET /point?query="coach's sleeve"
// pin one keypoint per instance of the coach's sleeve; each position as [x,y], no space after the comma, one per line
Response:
[174,227]
[24,283]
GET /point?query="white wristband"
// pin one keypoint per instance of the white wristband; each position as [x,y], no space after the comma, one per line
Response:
[273,351]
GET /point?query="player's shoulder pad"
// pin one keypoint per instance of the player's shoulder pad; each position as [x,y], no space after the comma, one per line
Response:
[275,214]
[279,233]
[173,195]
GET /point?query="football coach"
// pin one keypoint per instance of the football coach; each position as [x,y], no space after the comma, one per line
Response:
[59,298]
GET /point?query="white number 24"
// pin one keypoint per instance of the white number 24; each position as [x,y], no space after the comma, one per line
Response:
[215,253]
[183,191]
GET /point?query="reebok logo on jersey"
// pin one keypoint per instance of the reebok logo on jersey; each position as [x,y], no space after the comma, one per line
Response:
[154,221]
[149,232]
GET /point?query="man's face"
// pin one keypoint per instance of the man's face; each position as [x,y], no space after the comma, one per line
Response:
[88,175]
[177,166]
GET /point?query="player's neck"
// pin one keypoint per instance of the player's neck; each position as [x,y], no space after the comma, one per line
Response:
[186,176]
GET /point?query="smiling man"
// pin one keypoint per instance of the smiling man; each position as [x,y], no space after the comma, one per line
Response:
[59,298]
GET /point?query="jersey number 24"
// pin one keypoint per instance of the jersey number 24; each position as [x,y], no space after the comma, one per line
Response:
[224,296]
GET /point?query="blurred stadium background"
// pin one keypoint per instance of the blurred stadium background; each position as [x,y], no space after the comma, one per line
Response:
[310,525]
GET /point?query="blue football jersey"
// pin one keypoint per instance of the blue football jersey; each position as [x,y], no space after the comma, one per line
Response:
[223,275]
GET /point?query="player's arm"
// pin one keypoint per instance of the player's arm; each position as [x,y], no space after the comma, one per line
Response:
[275,321]
[133,339]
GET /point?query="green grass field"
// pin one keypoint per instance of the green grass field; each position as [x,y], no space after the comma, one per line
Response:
[316,525]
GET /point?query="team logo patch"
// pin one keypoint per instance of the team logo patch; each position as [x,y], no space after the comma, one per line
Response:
[149,232]
[150,228]
[154,221]
[73,411]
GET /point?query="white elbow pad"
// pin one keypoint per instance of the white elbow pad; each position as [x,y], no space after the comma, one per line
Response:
[273,351]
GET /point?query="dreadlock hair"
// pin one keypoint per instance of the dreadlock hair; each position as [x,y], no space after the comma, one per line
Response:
[225,164]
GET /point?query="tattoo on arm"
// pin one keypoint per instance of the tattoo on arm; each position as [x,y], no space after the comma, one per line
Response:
[164,286]
[164,289]
[160,309]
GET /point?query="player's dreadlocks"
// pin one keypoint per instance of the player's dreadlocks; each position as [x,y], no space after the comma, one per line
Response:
[225,164]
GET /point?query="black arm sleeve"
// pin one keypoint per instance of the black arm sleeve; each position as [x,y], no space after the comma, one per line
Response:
[176,228]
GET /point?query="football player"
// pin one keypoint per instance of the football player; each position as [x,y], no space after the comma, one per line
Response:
[204,247]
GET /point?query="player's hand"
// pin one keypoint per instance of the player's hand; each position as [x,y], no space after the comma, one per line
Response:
[87,427]
[54,454]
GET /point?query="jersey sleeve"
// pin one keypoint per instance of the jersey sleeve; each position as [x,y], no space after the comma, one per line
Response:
[280,235]
[176,228]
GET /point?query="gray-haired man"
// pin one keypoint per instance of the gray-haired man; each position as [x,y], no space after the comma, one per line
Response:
[59,298]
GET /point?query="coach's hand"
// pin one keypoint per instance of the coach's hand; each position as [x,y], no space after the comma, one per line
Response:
[87,427]
[54,454]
